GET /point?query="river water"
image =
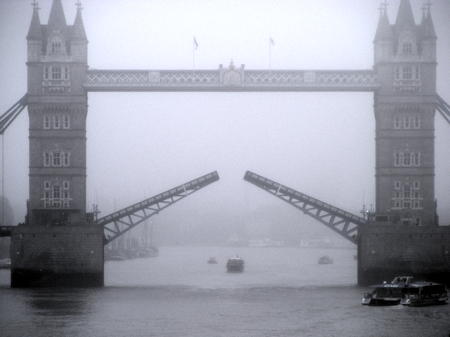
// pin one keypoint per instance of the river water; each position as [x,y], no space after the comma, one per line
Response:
[282,292]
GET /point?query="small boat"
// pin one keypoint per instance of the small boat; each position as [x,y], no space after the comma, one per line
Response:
[425,293]
[325,260]
[212,260]
[388,293]
[235,265]
[384,294]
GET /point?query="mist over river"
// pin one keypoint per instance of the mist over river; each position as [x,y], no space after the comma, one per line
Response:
[282,292]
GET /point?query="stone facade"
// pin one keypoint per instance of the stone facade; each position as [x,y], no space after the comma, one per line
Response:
[405,61]
[385,251]
[57,245]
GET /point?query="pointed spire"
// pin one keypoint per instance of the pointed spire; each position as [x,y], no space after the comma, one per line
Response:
[405,17]
[57,20]
[384,29]
[78,32]
[427,22]
[35,30]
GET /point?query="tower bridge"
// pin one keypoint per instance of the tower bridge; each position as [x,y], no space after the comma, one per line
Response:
[58,244]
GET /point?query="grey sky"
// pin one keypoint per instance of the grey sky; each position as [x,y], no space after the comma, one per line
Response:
[140,144]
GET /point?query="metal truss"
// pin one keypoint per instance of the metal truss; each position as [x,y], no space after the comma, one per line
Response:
[444,108]
[342,222]
[231,79]
[120,222]
[11,114]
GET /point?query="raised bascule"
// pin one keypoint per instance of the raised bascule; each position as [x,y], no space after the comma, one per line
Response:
[61,244]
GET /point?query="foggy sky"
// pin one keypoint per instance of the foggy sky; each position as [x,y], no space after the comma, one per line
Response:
[140,144]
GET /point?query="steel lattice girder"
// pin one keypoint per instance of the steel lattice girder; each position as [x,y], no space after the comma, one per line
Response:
[444,108]
[118,223]
[344,223]
[11,114]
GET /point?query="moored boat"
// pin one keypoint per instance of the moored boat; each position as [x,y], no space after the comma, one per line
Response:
[235,265]
[425,293]
[388,293]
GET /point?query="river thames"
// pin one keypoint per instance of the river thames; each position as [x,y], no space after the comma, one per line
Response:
[282,292]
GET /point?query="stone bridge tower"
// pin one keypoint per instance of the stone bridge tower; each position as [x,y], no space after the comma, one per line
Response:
[57,243]
[405,62]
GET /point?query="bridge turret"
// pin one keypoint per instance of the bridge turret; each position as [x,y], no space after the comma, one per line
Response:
[78,43]
[57,105]
[34,36]
[384,38]
[404,114]
[428,36]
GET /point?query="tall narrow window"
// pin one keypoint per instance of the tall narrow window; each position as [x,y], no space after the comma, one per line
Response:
[416,122]
[66,121]
[56,196]
[416,184]
[47,124]
[407,48]
[66,73]
[415,158]
[56,47]
[56,72]
[56,159]
[397,159]
[46,72]
[47,159]
[406,122]
[397,73]
[65,159]
[397,122]
[56,122]
[407,159]
[407,73]
[417,72]
[397,184]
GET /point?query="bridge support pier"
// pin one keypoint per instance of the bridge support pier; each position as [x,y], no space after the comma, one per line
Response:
[388,250]
[57,256]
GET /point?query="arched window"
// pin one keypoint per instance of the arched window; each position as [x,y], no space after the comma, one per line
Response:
[407,48]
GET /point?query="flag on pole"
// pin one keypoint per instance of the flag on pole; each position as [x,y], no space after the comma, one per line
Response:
[195,44]
[271,41]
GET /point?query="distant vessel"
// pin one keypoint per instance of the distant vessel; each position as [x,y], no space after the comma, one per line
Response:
[212,260]
[235,265]
[325,260]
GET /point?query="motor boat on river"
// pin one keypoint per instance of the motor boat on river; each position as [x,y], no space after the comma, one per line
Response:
[425,293]
[404,290]
[387,293]
[235,265]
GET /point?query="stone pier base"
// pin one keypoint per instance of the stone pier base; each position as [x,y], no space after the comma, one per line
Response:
[386,251]
[57,256]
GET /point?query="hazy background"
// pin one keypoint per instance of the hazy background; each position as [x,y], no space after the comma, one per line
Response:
[140,144]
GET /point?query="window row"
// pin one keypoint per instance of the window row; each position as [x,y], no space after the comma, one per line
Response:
[406,203]
[57,195]
[56,159]
[57,121]
[56,72]
[407,186]
[407,72]
[407,122]
[407,159]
